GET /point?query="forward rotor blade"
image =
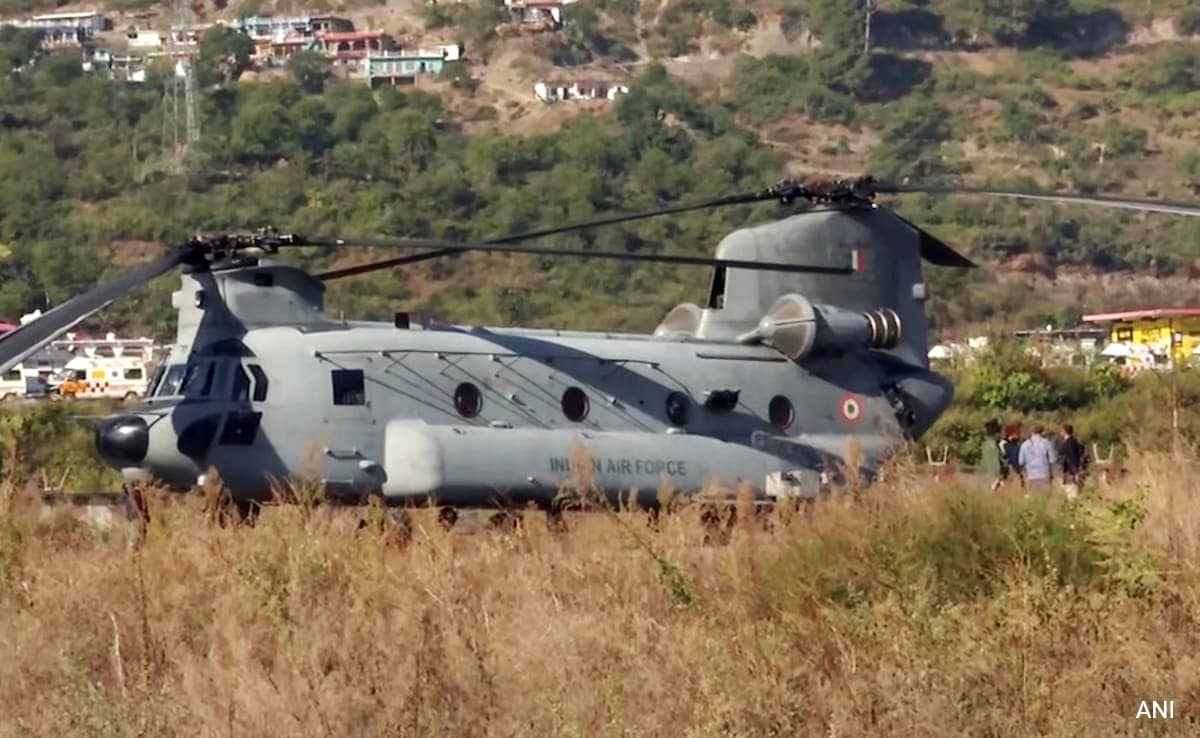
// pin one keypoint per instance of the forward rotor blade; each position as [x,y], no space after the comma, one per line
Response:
[742,199]
[1109,201]
[19,343]
[448,247]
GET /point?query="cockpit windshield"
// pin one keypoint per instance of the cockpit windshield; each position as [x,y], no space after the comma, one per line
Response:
[172,380]
[194,379]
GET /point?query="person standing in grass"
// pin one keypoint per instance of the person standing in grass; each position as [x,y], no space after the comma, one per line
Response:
[992,463]
[1074,460]
[1010,448]
[1037,458]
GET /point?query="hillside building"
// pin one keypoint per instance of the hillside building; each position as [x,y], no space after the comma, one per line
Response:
[86,20]
[402,66]
[1170,333]
[538,15]
[580,90]
[351,47]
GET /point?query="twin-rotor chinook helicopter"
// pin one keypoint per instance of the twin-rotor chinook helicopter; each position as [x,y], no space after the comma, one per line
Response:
[814,333]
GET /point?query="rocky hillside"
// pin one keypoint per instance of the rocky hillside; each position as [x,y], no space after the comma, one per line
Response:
[725,94]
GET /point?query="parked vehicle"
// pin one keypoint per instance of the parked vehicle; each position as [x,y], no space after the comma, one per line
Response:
[123,377]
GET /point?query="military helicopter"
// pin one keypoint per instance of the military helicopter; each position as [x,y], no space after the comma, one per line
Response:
[813,334]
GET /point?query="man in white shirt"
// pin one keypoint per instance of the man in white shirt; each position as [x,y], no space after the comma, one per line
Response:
[1037,458]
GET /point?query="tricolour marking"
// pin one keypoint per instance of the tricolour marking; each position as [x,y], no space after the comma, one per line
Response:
[851,408]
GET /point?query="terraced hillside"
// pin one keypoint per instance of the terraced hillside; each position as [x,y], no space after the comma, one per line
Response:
[725,95]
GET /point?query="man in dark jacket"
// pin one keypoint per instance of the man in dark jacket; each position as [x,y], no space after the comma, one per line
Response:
[1010,451]
[1074,460]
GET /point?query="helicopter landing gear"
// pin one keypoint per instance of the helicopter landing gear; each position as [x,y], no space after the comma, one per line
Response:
[394,525]
[555,522]
[245,512]
[137,512]
[506,521]
[718,522]
[447,517]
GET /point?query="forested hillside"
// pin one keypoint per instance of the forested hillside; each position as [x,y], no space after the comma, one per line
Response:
[725,95]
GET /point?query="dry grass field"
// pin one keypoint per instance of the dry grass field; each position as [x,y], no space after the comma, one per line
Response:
[914,609]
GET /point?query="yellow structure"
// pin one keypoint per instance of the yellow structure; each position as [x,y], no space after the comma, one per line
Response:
[1172,333]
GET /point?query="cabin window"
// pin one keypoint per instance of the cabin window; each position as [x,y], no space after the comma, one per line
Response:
[12,375]
[241,428]
[79,375]
[716,290]
[781,412]
[575,404]
[240,392]
[135,373]
[260,382]
[678,408]
[467,400]
[348,387]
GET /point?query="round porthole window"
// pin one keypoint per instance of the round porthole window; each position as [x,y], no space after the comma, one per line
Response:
[678,408]
[467,400]
[575,404]
[781,412]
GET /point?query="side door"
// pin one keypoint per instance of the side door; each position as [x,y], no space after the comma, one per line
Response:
[349,413]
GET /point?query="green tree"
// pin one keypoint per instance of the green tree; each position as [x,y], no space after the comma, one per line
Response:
[223,54]
[1015,21]
[911,136]
[261,132]
[1174,69]
[17,46]
[309,69]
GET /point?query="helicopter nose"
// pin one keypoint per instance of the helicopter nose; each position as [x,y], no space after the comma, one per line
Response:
[122,441]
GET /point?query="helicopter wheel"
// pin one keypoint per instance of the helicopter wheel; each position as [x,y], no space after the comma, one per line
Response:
[506,521]
[447,517]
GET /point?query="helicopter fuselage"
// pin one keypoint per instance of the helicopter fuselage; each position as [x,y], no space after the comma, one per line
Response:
[490,416]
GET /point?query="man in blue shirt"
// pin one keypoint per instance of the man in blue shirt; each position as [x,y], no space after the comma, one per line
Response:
[1037,458]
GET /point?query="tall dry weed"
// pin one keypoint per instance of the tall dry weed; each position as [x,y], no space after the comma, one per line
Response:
[916,608]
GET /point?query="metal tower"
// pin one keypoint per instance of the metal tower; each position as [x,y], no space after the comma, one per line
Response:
[181,124]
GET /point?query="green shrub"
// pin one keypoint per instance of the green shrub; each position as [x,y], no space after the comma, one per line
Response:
[953,547]
[1187,23]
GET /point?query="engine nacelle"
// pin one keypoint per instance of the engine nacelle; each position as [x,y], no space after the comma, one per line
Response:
[799,328]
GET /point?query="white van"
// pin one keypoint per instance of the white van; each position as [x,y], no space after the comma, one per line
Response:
[98,376]
[34,376]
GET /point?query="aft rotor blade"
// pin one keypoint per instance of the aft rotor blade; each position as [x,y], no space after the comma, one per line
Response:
[449,247]
[385,264]
[1141,204]
[934,250]
[27,339]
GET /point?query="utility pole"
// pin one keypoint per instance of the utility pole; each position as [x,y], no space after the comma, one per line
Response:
[181,124]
